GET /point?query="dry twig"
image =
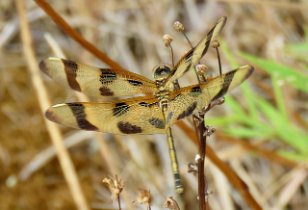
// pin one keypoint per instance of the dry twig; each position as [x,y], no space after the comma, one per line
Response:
[54,132]
[77,37]
[234,179]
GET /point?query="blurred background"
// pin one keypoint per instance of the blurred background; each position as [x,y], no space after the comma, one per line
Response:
[261,128]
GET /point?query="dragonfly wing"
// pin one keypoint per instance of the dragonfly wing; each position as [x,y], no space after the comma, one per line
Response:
[96,82]
[193,56]
[192,99]
[134,116]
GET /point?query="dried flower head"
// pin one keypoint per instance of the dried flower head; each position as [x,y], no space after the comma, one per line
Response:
[215,44]
[167,40]
[170,203]
[115,185]
[144,197]
[178,26]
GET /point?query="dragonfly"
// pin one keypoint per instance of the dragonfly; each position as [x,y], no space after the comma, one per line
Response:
[152,106]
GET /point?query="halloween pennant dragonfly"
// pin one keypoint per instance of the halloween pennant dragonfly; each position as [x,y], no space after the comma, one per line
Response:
[160,106]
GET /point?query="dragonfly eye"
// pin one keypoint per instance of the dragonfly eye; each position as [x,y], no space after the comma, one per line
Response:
[161,72]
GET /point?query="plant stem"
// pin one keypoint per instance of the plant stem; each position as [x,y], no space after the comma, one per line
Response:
[119,201]
[201,129]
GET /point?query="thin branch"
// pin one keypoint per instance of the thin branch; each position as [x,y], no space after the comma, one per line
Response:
[55,135]
[234,179]
[77,37]
[119,201]
[219,61]
[203,133]
[200,128]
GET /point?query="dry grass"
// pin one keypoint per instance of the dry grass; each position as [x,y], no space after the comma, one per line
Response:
[130,32]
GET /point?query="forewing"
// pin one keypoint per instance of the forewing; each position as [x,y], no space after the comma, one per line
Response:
[134,116]
[96,82]
[192,99]
[193,56]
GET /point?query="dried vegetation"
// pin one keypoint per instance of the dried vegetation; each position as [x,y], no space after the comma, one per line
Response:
[130,32]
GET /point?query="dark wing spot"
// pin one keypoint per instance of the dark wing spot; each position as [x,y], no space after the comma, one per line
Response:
[107,76]
[50,115]
[134,82]
[186,58]
[189,54]
[225,86]
[144,104]
[208,41]
[250,70]
[71,68]
[120,109]
[105,91]
[188,111]
[157,123]
[195,91]
[78,111]
[127,128]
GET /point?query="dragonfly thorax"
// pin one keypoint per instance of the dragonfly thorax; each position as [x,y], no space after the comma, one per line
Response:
[160,75]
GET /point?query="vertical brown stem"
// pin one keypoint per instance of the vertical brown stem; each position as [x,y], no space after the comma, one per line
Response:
[201,129]
[119,201]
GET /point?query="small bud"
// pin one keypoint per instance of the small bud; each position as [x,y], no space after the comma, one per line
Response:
[197,158]
[201,69]
[167,40]
[178,26]
[192,167]
[209,131]
[215,44]
[170,203]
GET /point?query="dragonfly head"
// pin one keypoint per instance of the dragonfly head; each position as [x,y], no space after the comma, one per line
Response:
[161,73]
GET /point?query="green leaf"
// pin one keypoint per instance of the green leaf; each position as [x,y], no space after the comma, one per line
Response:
[236,108]
[249,98]
[279,96]
[220,121]
[242,132]
[289,75]
[286,131]
[294,156]
[301,48]
[229,55]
